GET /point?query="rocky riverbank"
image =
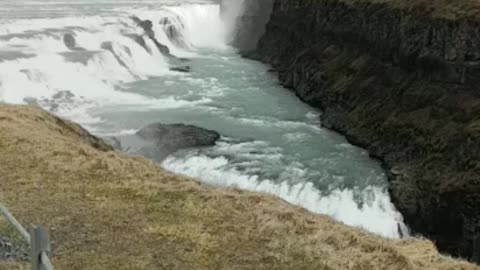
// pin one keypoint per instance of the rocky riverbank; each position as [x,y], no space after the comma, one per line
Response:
[400,79]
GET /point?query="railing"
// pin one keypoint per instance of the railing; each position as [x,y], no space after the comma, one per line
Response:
[38,240]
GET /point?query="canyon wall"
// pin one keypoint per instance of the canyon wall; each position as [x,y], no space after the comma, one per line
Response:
[402,80]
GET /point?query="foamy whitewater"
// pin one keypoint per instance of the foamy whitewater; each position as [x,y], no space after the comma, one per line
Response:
[113,85]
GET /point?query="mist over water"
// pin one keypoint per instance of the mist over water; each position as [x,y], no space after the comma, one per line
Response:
[271,143]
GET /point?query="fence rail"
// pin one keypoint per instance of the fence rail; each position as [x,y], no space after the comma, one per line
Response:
[38,240]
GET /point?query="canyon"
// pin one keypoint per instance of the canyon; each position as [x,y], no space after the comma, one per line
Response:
[399,79]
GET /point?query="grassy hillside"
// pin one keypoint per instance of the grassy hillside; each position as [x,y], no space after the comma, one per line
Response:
[107,210]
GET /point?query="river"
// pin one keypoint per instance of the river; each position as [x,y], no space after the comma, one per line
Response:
[271,141]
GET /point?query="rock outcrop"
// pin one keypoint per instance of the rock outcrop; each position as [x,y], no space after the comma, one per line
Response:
[402,80]
[178,136]
[108,46]
[173,28]
[140,41]
[147,26]
[157,141]
[71,43]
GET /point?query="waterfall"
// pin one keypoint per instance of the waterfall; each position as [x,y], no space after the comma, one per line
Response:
[70,64]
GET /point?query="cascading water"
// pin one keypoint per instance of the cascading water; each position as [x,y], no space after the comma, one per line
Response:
[94,64]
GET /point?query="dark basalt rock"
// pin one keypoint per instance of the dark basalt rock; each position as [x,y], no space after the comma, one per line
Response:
[173,31]
[71,43]
[140,41]
[157,141]
[147,27]
[179,135]
[163,49]
[108,46]
[405,86]
[181,69]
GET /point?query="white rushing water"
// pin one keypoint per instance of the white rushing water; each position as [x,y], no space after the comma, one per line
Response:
[113,85]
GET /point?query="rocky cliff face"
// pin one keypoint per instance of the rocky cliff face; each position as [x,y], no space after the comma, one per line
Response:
[402,81]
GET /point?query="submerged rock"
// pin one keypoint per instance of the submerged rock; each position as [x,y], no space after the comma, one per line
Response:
[147,27]
[172,137]
[71,43]
[181,69]
[140,41]
[108,46]
[173,30]
[52,104]
[163,49]
[157,141]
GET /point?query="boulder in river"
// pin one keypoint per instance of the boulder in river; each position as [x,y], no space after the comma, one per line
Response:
[157,141]
[178,136]
[70,42]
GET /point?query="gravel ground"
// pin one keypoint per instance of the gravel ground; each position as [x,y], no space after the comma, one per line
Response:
[12,251]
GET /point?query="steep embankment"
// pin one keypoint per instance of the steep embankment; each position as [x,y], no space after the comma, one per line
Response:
[401,79]
[107,210]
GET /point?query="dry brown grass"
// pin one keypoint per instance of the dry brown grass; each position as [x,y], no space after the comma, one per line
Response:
[107,210]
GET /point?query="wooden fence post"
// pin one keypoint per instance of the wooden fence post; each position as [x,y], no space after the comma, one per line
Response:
[40,244]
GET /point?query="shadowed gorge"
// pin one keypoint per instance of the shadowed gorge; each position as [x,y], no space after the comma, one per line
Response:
[402,81]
